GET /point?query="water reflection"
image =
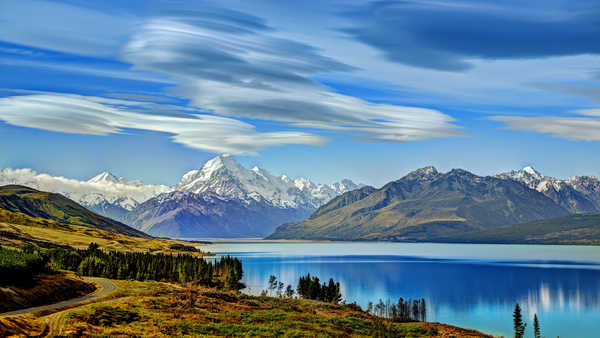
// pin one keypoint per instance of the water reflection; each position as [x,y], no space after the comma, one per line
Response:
[477,293]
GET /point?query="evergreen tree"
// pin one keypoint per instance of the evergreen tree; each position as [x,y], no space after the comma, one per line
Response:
[518,324]
[536,327]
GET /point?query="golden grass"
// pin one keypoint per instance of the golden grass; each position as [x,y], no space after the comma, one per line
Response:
[19,230]
[164,310]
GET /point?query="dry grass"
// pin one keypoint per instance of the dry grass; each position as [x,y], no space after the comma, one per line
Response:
[163,310]
[48,233]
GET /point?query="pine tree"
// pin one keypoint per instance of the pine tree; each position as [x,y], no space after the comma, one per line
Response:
[518,324]
[536,327]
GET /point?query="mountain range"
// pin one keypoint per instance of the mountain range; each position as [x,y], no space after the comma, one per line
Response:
[104,193]
[221,199]
[578,194]
[427,205]
[225,199]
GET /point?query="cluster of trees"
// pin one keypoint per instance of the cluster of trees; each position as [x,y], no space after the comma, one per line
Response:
[276,289]
[311,288]
[308,288]
[183,268]
[406,310]
[20,266]
[519,326]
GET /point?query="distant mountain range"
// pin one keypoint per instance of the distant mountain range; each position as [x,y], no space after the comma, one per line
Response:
[225,199]
[221,199]
[579,194]
[427,205]
[105,194]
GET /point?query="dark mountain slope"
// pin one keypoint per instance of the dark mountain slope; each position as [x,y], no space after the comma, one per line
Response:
[574,229]
[189,215]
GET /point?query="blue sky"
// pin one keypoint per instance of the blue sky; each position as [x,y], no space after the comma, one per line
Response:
[366,90]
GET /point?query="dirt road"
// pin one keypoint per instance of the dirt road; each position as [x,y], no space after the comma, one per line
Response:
[106,287]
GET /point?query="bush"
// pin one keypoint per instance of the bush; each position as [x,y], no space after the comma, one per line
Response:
[109,315]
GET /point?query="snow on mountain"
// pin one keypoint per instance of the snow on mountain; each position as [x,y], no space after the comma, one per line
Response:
[576,194]
[423,174]
[225,199]
[101,193]
[223,176]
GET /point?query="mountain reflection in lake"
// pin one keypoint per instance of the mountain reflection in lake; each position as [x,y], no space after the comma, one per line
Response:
[473,289]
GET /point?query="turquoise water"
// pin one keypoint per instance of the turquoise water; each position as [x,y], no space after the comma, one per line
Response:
[468,285]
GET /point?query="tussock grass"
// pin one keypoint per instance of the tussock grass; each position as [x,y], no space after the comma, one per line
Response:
[17,230]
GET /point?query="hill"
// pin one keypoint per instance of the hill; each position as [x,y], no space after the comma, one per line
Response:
[424,204]
[56,207]
[575,229]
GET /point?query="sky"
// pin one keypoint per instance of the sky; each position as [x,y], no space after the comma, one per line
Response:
[366,90]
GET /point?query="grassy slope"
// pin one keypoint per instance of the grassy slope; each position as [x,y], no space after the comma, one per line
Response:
[56,207]
[46,289]
[161,310]
[576,229]
[17,230]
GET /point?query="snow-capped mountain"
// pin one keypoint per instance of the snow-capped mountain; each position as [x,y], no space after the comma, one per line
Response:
[576,194]
[105,193]
[225,199]
[223,176]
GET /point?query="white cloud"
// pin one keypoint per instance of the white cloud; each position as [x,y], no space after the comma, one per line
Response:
[570,128]
[82,191]
[69,113]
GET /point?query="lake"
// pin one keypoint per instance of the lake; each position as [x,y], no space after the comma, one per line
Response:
[467,285]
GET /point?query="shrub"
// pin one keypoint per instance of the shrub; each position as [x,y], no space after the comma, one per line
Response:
[109,315]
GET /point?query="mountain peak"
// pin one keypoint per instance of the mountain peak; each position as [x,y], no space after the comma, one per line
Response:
[529,170]
[222,161]
[425,173]
[104,177]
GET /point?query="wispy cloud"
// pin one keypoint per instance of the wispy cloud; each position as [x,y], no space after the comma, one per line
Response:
[259,76]
[228,63]
[584,127]
[78,114]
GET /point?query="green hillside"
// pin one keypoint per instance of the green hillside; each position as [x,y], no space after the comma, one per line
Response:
[34,203]
[421,206]
[575,229]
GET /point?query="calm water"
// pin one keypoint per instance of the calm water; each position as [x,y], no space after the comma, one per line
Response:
[468,285]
